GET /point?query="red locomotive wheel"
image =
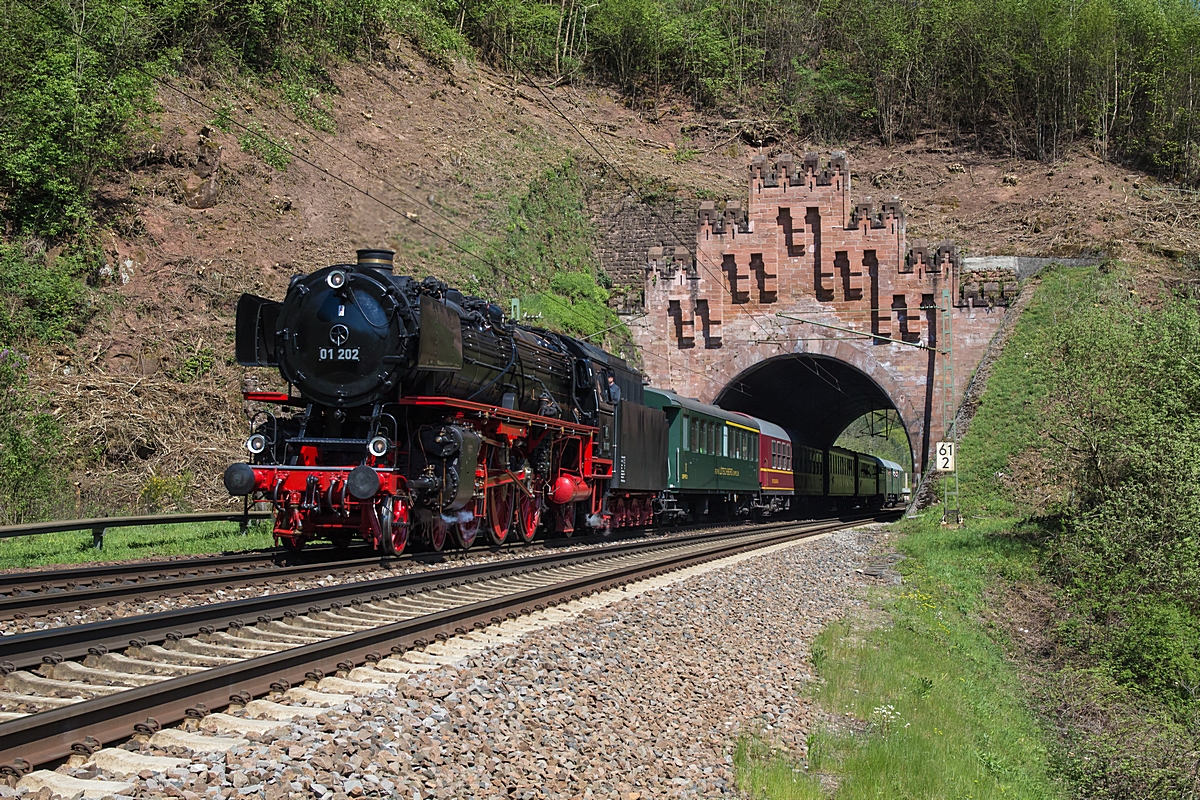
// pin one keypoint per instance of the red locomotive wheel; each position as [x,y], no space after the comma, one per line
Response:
[620,516]
[467,529]
[393,526]
[500,513]
[292,544]
[435,533]
[529,517]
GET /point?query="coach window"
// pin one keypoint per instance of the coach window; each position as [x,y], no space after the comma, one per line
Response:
[725,441]
[686,425]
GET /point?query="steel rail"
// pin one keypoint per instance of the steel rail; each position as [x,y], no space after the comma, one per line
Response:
[36,581]
[51,735]
[27,650]
[43,603]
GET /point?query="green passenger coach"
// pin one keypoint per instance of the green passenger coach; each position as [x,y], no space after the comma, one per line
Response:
[712,457]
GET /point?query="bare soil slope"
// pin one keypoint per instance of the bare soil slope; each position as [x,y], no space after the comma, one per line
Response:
[424,157]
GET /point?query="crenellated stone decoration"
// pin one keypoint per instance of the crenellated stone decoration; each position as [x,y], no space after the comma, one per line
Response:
[801,233]
[803,267]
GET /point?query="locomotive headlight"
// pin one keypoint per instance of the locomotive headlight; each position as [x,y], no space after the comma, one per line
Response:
[256,443]
[336,279]
[378,447]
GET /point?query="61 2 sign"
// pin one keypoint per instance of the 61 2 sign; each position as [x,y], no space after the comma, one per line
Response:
[944,456]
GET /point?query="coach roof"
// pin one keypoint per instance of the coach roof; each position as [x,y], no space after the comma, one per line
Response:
[692,404]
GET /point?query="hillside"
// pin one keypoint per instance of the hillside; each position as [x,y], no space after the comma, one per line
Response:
[432,160]
[169,158]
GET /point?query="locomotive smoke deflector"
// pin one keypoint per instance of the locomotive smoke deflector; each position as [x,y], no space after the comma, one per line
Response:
[254,344]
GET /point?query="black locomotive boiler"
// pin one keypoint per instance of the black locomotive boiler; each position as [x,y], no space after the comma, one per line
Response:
[414,408]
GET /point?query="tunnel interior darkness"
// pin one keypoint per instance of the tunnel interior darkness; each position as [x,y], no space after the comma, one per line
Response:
[813,397]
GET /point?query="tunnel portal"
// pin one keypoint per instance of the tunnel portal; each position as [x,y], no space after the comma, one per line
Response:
[813,396]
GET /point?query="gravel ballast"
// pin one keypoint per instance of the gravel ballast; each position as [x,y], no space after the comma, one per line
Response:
[643,693]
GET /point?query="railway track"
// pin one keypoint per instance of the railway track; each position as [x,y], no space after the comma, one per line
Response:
[68,691]
[29,595]
[40,592]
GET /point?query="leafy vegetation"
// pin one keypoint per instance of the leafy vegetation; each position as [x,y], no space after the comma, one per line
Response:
[258,141]
[1087,441]
[543,252]
[879,433]
[45,297]
[31,472]
[1025,78]
[76,82]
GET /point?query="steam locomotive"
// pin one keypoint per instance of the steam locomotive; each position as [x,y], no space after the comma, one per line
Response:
[413,410]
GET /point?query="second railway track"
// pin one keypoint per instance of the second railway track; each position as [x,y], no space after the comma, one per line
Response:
[68,691]
[30,595]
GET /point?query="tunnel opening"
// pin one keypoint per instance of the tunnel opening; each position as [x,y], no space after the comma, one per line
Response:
[815,398]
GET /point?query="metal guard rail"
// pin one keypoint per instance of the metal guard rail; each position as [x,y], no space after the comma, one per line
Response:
[100,525]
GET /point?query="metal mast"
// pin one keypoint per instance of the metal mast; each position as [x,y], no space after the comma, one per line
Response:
[951,510]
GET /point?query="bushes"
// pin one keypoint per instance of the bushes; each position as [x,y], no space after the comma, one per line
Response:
[68,104]
[543,251]
[1030,78]
[1123,420]
[44,299]
[31,447]
[1096,405]
[574,304]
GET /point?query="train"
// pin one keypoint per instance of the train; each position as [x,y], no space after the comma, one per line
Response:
[416,413]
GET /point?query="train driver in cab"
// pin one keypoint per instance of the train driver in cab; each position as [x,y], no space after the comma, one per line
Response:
[614,391]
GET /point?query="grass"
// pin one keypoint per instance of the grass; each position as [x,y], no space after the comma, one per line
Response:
[926,703]
[128,543]
[766,772]
[933,706]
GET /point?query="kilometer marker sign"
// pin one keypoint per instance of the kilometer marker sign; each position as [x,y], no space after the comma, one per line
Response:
[945,453]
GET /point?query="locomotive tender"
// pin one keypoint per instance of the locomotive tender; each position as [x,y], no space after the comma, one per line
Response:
[414,409]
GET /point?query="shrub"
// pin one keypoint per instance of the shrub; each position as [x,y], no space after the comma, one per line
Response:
[31,465]
[46,299]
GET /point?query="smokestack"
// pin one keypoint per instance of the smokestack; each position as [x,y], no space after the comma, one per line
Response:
[376,259]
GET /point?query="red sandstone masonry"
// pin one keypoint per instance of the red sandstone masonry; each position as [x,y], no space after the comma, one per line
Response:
[801,247]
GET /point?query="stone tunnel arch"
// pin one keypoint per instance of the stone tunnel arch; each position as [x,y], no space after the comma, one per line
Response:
[816,396]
